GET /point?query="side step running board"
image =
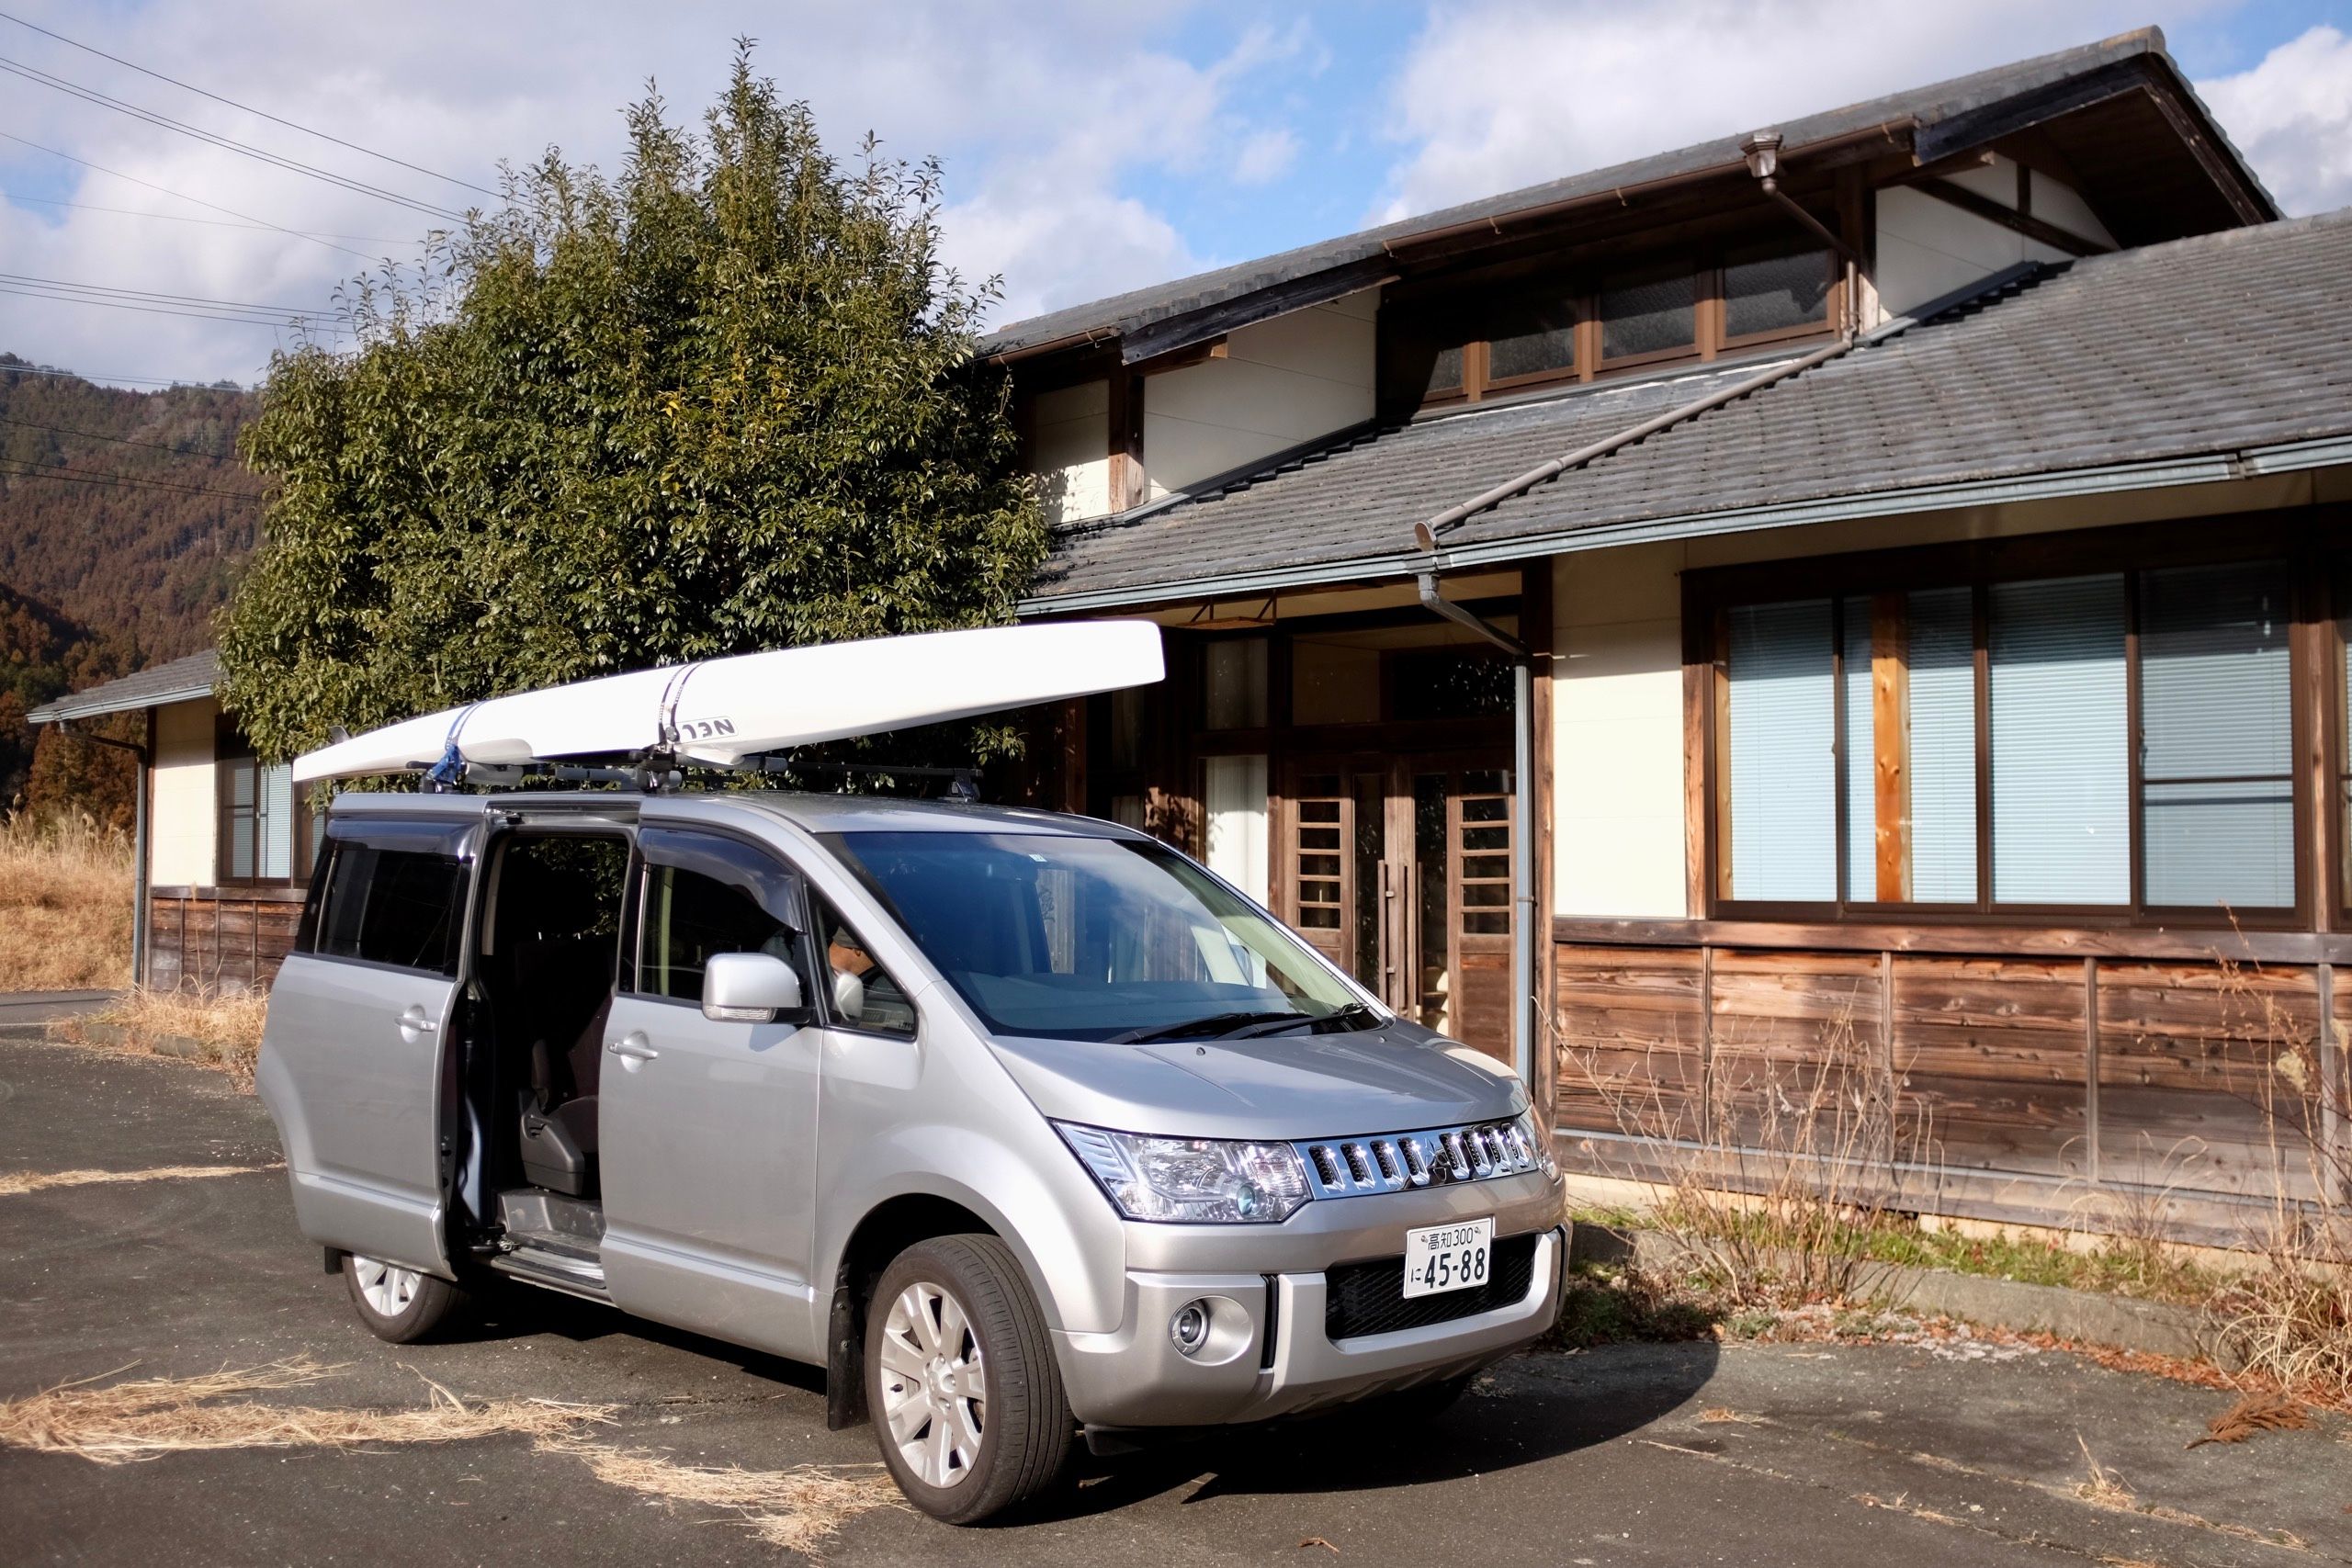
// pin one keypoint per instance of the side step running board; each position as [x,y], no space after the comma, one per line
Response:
[554,1269]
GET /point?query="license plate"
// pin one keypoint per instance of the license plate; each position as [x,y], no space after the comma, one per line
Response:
[1458,1256]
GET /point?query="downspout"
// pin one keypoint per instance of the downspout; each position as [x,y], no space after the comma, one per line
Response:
[141,757]
[1523,837]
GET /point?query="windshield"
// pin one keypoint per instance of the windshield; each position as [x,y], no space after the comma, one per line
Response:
[1096,938]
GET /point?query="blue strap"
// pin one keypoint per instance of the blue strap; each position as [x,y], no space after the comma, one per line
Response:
[450,771]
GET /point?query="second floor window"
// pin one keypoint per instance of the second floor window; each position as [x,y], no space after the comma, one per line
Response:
[1483,340]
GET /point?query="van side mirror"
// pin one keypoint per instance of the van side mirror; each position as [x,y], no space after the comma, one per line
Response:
[750,988]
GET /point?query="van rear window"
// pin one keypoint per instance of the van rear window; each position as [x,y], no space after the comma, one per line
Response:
[387,905]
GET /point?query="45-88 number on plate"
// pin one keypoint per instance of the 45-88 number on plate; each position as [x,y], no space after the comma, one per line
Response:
[1448,1258]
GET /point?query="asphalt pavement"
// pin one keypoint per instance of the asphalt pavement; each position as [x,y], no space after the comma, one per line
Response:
[1686,1454]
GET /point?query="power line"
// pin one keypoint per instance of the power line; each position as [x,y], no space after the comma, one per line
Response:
[154,294]
[94,379]
[235,318]
[228,143]
[181,218]
[248,108]
[200,201]
[119,482]
[118,440]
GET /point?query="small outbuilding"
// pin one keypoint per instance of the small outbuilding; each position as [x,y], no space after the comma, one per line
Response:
[223,839]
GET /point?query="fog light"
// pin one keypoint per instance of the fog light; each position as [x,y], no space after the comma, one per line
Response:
[1190,1327]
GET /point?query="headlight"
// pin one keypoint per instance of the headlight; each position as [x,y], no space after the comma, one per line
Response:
[1200,1180]
[1531,1133]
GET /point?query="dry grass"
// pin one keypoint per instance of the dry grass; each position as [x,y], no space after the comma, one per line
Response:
[146,1418]
[226,1027]
[2288,1319]
[1777,1172]
[2104,1489]
[64,906]
[2254,1413]
[797,1509]
[12,1184]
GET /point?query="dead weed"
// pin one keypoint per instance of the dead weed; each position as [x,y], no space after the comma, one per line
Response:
[14,1183]
[797,1509]
[65,905]
[2254,1413]
[148,1417]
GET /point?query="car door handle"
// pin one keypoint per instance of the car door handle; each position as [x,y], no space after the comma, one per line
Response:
[632,1047]
[414,1021]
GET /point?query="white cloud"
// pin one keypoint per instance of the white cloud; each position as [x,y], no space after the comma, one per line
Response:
[1266,156]
[1045,113]
[1494,95]
[2291,116]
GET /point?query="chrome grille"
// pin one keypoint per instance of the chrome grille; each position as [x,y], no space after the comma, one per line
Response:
[1394,1162]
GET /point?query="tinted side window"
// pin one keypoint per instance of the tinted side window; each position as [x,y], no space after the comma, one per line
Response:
[387,906]
[861,993]
[703,895]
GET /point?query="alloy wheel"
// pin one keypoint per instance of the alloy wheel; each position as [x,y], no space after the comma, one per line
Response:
[935,1393]
[387,1288]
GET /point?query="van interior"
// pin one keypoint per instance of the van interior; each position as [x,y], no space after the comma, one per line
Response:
[548,956]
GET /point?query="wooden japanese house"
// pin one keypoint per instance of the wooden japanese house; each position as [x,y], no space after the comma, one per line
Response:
[1923,529]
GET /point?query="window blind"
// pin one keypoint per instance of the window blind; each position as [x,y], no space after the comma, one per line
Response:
[2060,780]
[1782,722]
[2216,736]
[276,826]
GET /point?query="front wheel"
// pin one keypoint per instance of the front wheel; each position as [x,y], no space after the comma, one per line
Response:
[960,1377]
[398,1304]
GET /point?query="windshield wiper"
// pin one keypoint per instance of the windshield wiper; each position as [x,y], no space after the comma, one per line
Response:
[1354,1015]
[1215,1023]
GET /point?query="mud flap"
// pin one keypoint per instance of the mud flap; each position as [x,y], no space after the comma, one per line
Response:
[844,1364]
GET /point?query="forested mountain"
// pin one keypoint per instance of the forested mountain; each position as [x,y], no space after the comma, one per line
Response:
[127,511]
[124,517]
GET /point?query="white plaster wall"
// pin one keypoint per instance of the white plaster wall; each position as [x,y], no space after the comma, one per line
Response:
[1071,441]
[181,821]
[1928,248]
[1617,845]
[1280,382]
[2054,201]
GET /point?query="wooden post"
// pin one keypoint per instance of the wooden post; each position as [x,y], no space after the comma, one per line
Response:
[2335,1085]
[1890,740]
[2090,1070]
[1536,628]
[1073,790]
[1707,1044]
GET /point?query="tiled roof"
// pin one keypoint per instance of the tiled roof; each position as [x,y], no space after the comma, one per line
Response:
[2216,345]
[1918,107]
[179,681]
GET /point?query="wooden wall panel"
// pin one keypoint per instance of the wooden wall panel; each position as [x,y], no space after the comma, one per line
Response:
[210,942]
[1799,1056]
[1991,1064]
[2205,1075]
[1481,1008]
[1628,1027]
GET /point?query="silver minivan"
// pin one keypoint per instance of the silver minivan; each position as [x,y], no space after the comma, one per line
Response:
[1019,1125]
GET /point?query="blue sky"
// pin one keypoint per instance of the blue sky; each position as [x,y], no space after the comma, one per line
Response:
[1090,145]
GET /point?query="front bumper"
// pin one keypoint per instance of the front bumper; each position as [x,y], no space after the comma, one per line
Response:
[1136,1377]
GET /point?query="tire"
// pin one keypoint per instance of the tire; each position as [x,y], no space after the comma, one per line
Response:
[961,1460]
[402,1305]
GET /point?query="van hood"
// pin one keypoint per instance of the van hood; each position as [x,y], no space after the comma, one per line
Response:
[1396,1079]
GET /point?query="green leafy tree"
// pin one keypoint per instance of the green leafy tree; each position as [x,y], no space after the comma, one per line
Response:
[725,401]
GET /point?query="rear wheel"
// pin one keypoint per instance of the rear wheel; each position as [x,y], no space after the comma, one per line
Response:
[399,1304]
[967,1399]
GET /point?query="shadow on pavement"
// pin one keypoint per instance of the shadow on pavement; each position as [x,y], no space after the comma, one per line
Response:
[1359,1448]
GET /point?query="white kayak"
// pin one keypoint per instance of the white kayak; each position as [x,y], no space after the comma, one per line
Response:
[721,711]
